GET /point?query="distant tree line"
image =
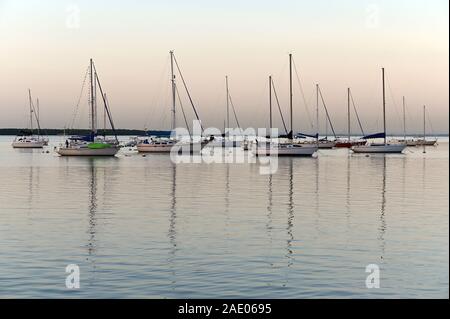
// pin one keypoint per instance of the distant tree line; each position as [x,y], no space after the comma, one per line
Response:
[52,131]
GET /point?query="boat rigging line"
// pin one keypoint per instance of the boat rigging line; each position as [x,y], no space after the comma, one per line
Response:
[279,108]
[187,91]
[356,112]
[326,112]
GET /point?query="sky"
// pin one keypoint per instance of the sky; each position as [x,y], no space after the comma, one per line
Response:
[46,46]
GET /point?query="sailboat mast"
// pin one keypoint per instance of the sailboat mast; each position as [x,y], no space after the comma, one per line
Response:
[384,106]
[228,102]
[104,117]
[31,111]
[173,91]
[270,102]
[348,113]
[37,108]
[424,151]
[290,90]
[92,96]
[38,119]
[317,113]
[404,120]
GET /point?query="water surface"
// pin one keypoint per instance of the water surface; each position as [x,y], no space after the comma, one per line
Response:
[145,227]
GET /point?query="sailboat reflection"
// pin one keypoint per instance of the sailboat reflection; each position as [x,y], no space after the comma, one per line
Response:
[348,195]
[270,209]
[290,219]
[92,207]
[92,217]
[383,225]
[172,233]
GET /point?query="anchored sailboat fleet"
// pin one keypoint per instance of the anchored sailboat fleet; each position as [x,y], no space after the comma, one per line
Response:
[282,145]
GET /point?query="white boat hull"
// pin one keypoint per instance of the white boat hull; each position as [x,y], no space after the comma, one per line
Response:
[183,148]
[421,142]
[152,148]
[85,151]
[36,144]
[382,148]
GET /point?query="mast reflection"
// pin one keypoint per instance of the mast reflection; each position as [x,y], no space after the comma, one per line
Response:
[269,209]
[290,220]
[92,217]
[172,232]
[383,225]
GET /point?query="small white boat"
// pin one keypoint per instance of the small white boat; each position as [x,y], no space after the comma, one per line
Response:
[427,142]
[420,142]
[28,142]
[379,148]
[155,146]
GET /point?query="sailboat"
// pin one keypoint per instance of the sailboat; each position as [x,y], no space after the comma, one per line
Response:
[27,139]
[349,142]
[158,145]
[226,139]
[423,141]
[384,147]
[91,145]
[321,143]
[288,148]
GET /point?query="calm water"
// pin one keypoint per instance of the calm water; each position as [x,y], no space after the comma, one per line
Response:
[144,227]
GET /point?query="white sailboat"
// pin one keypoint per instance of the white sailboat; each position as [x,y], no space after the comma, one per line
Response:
[288,148]
[27,139]
[423,141]
[384,147]
[321,143]
[91,145]
[348,143]
[158,145]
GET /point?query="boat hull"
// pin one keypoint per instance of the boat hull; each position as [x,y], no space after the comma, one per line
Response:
[384,148]
[428,143]
[285,151]
[345,144]
[151,148]
[28,144]
[110,151]
[183,148]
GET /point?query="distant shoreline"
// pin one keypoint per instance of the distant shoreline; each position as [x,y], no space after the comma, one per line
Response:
[55,131]
[135,132]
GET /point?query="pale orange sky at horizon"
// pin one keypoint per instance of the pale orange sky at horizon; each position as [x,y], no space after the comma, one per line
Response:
[46,46]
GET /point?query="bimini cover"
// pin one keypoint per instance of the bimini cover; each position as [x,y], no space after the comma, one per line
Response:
[86,138]
[303,135]
[98,145]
